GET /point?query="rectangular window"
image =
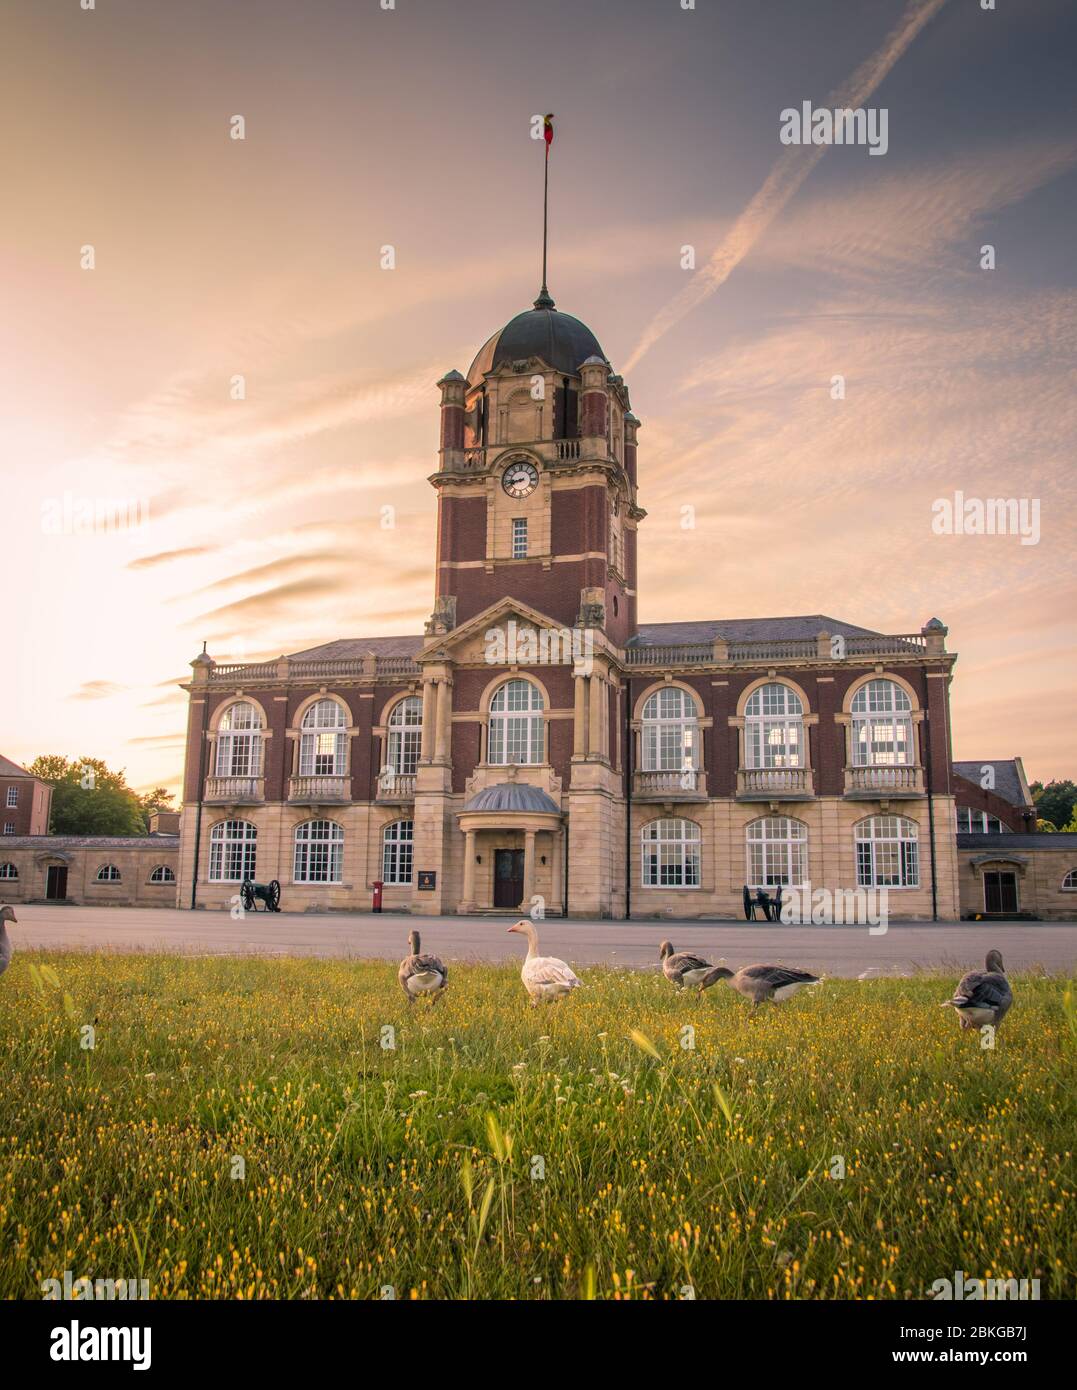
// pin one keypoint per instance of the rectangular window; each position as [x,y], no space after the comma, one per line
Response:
[9,827]
[519,538]
[12,796]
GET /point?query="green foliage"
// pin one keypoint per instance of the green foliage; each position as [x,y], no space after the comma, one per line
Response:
[160,799]
[664,1168]
[88,798]
[1056,802]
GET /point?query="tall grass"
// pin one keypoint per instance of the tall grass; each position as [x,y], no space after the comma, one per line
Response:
[238,1130]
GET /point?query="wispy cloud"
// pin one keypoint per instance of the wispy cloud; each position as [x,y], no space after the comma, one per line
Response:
[790,170]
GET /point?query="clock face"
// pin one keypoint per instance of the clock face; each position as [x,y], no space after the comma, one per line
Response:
[520,478]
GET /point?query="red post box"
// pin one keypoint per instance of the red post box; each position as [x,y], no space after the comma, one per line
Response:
[378,886]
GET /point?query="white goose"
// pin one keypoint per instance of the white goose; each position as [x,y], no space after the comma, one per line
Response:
[544,977]
[421,974]
[7,914]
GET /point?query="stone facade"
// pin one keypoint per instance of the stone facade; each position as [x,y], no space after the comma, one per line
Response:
[1031,874]
[109,870]
[515,746]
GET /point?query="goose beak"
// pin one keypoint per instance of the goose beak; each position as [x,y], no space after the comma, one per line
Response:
[517,925]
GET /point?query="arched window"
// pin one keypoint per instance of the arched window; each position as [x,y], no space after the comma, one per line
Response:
[405,736]
[777,852]
[1069,883]
[8,871]
[882,726]
[671,854]
[887,853]
[163,874]
[239,741]
[774,727]
[322,743]
[108,873]
[319,852]
[397,844]
[971,822]
[232,851]
[516,731]
[670,731]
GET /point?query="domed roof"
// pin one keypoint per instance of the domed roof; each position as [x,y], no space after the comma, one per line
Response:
[513,796]
[559,339]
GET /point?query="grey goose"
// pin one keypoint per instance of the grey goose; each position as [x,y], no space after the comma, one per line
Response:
[421,975]
[983,996]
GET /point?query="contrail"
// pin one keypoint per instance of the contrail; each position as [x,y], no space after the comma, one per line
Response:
[790,170]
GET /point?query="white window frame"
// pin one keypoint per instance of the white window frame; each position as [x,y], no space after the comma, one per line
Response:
[882,727]
[774,733]
[9,827]
[239,741]
[516,733]
[163,873]
[109,873]
[985,826]
[9,872]
[233,851]
[1069,883]
[671,853]
[405,736]
[398,852]
[318,852]
[519,537]
[896,841]
[776,852]
[12,798]
[670,736]
[323,743]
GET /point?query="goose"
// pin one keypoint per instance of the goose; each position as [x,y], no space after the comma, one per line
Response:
[683,969]
[983,996]
[421,974]
[544,977]
[762,983]
[7,914]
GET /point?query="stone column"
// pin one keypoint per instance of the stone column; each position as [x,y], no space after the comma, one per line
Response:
[529,869]
[444,715]
[426,744]
[579,718]
[597,722]
[469,868]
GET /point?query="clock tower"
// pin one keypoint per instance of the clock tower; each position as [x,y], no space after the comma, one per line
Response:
[537,480]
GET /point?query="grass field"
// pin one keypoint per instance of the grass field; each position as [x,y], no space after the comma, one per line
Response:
[499,1151]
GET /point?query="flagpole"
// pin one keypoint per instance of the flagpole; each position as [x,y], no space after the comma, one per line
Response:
[544,301]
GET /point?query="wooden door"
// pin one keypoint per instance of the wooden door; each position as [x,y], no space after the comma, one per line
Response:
[1000,892]
[56,883]
[508,877]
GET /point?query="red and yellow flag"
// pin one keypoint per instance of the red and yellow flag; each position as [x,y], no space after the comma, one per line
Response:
[547,129]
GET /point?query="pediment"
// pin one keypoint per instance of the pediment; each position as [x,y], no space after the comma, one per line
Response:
[510,621]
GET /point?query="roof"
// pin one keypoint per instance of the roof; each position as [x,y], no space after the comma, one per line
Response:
[560,340]
[744,630]
[345,647]
[1008,781]
[513,796]
[10,769]
[1036,839]
[88,842]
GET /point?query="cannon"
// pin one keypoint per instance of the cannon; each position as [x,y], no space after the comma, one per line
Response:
[771,906]
[268,894]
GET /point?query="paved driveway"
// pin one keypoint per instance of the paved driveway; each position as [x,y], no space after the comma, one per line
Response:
[835,950]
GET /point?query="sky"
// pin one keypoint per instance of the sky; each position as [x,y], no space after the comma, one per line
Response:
[257,524]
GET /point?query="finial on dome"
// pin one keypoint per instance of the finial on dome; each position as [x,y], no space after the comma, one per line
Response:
[544,300]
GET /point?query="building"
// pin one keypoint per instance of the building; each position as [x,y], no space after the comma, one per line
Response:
[993,798]
[90,870]
[1019,875]
[25,801]
[537,741]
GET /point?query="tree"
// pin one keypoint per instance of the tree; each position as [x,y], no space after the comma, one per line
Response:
[1055,801]
[160,799]
[88,798]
